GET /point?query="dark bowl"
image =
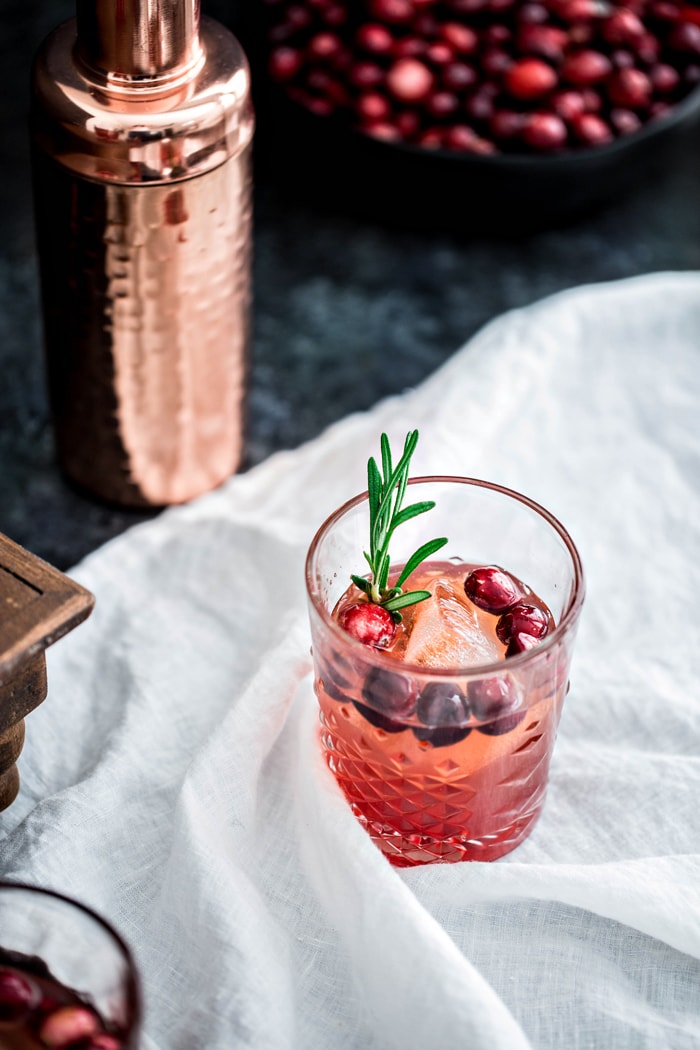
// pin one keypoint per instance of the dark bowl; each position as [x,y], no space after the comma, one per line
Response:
[337,168]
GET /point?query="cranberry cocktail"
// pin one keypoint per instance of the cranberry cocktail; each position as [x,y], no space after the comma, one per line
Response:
[67,980]
[440,673]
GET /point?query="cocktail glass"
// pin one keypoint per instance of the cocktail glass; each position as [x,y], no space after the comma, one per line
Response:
[70,959]
[466,790]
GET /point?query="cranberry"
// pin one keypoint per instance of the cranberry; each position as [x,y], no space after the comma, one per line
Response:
[690,14]
[622,26]
[284,63]
[68,1025]
[495,702]
[443,708]
[458,76]
[591,129]
[622,59]
[648,49]
[507,123]
[365,74]
[442,104]
[545,41]
[533,14]
[374,38]
[391,697]
[523,617]
[373,107]
[491,589]
[664,78]
[371,624]
[529,78]
[624,121]
[579,10]
[324,45]
[630,88]
[103,1041]
[382,130]
[397,11]
[439,54]
[685,36]
[497,35]
[462,138]
[521,643]
[495,61]
[409,47]
[409,80]
[18,995]
[460,37]
[545,131]
[586,67]
[408,123]
[568,104]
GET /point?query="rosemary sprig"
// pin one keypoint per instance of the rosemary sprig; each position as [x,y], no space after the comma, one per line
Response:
[387,489]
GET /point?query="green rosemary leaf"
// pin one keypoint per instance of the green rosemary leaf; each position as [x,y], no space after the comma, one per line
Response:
[386,457]
[411,512]
[410,598]
[362,583]
[374,488]
[420,555]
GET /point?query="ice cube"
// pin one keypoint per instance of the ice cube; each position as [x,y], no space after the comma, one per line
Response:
[446,631]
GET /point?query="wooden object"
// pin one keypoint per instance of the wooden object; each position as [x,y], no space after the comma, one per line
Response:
[38,605]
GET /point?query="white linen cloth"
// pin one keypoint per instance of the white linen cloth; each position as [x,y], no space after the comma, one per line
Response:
[172,778]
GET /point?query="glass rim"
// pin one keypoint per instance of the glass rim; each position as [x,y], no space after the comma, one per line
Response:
[133,982]
[375,655]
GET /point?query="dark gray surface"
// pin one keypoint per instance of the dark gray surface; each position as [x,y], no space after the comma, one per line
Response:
[346,311]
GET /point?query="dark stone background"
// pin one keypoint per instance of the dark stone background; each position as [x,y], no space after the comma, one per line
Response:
[347,310]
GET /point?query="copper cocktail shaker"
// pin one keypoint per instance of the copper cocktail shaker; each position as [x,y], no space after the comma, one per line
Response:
[142,126]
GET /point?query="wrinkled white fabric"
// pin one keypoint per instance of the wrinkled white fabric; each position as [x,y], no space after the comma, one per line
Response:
[172,778]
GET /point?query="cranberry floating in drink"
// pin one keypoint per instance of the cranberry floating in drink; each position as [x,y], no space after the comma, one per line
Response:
[439,726]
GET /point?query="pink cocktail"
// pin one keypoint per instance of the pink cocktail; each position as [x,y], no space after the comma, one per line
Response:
[441,739]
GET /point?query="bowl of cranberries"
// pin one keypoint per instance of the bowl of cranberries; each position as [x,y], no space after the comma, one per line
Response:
[481,112]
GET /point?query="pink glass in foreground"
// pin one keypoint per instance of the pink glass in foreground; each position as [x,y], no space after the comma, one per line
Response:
[442,745]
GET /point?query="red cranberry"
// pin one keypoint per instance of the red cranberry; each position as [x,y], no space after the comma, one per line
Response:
[382,130]
[521,643]
[664,11]
[390,696]
[545,41]
[497,35]
[493,697]
[495,62]
[648,48]
[480,106]
[622,59]
[284,63]
[568,104]
[579,10]
[365,74]
[586,67]
[533,14]
[664,78]
[630,88]
[373,107]
[522,618]
[18,995]
[593,103]
[397,11]
[409,47]
[624,121]
[439,54]
[371,624]
[462,138]
[431,139]
[460,37]
[491,589]
[298,16]
[507,123]
[690,14]
[685,37]
[459,75]
[591,129]
[444,709]
[334,15]
[529,78]
[409,80]
[102,1041]
[545,131]
[622,26]
[374,38]
[67,1025]
[441,104]
[324,45]
[407,123]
